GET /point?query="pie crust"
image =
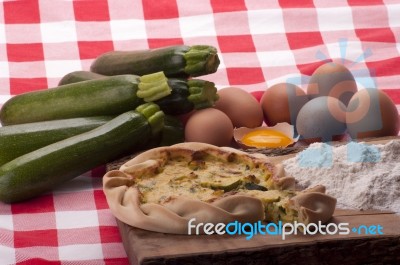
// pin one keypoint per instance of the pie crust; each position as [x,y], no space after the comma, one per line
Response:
[137,205]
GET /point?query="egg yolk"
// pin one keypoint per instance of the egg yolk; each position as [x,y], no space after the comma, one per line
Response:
[266,138]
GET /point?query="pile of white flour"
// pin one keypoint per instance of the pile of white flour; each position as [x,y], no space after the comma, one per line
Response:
[358,175]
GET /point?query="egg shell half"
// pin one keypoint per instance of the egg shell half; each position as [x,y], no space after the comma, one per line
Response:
[285,128]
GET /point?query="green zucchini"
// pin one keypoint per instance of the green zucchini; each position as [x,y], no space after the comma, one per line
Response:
[174,104]
[107,97]
[185,96]
[78,76]
[173,132]
[102,97]
[17,140]
[225,184]
[174,61]
[42,170]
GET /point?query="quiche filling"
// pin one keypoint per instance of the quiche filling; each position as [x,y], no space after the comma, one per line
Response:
[207,177]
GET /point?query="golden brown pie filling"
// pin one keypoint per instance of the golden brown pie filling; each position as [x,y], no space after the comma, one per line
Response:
[207,177]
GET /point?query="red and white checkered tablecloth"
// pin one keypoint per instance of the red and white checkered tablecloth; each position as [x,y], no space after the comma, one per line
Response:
[260,43]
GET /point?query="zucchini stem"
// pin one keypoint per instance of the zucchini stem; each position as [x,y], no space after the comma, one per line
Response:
[201,60]
[154,116]
[153,87]
[203,94]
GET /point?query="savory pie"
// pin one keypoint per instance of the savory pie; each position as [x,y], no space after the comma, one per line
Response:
[163,188]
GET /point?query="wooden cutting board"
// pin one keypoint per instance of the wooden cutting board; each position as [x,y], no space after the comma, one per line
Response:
[145,247]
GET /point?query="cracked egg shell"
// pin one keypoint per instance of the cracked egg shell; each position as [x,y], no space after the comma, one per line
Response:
[279,136]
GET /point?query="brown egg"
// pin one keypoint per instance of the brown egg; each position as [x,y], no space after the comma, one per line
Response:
[371,113]
[209,126]
[334,80]
[322,119]
[282,103]
[241,107]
